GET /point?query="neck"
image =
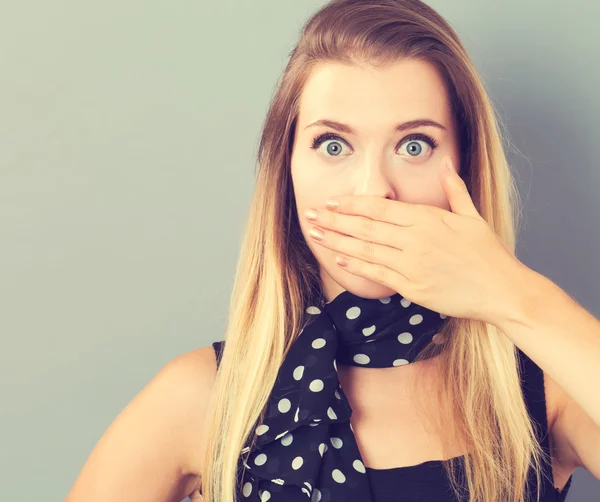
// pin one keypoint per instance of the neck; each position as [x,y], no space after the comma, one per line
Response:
[329,287]
[400,383]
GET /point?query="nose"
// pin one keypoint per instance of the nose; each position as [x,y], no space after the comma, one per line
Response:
[373,179]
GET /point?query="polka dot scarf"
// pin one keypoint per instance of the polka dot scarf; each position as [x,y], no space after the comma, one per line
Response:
[305,448]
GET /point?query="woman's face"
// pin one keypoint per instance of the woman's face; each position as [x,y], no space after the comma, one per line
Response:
[368,156]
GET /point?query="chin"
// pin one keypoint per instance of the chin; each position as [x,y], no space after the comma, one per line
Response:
[360,286]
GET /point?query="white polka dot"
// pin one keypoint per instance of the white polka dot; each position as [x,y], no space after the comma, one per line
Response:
[405,303]
[322,448]
[284,405]
[399,362]
[296,415]
[338,476]
[361,358]
[316,385]
[385,300]
[260,459]
[287,439]
[335,365]
[247,490]
[405,337]
[318,343]
[306,491]
[359,466]
[298,372]
[279,481]
[337,394]
[369,331]
[353,312]
[261,429]
[336,442]
[308,485]
[416,319]
[313,310]
[265,496]
[297,463]
[331,414]
[443,316]
[316,496]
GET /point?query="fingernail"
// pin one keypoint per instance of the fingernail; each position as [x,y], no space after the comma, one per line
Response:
[341,261]
[310,214]
[333,204]
[316,234]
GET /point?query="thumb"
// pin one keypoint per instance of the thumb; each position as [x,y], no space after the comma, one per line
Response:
[456,190]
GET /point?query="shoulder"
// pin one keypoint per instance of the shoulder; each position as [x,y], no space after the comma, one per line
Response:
[192,371]
[188,382]
[150,450]
[555,402]
[540,391]
[574,436]
[548,410]
[543,396]
[545,402]
[554,399]
[561,418]
[179,394]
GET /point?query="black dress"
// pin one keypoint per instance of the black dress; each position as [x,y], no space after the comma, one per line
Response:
[427,481]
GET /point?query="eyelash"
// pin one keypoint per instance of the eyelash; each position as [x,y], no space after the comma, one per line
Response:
[411,137]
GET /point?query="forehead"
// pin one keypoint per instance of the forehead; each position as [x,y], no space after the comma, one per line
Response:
[367,97]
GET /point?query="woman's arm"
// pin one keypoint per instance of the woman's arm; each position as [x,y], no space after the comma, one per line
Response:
[563,339]
[148,453]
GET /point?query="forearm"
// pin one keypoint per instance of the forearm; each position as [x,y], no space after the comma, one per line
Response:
[559,335]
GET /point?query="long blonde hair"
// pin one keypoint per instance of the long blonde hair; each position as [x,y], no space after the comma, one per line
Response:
[277,276]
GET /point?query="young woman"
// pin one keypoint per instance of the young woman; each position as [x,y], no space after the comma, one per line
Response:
[400,353]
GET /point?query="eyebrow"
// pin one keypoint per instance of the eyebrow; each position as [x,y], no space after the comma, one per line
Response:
[411,124]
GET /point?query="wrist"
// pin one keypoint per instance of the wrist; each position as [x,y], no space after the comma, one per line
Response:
[527,294]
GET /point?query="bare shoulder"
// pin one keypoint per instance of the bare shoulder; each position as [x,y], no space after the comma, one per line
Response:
[554,399]
[574,436]
[150,451]
[189,378]
[563,457]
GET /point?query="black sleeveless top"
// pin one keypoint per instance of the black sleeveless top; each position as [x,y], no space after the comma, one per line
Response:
[428,482]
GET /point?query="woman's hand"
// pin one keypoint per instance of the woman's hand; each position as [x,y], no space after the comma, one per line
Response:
[448,261]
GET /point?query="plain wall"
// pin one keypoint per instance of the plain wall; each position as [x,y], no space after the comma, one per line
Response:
[128,135]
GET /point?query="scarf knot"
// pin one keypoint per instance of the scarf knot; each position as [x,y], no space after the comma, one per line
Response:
[305,446]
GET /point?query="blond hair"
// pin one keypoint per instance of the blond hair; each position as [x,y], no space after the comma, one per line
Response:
[277,276]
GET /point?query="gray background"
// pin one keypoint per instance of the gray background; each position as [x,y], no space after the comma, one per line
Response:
[128,133]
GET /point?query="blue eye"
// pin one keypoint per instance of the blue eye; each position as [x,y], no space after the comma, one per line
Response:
[412,140]
[415,149]
[328,136]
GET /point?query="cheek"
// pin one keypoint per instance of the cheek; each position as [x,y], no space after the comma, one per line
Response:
[310,191]
[426,192]
[441,201]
